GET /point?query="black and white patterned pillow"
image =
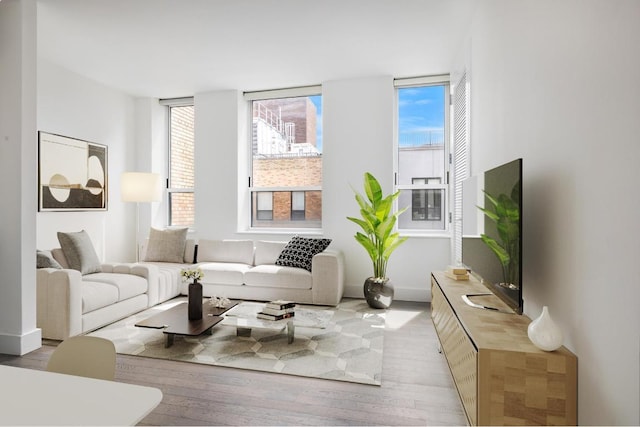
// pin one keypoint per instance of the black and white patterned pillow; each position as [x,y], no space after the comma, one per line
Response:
[300,250]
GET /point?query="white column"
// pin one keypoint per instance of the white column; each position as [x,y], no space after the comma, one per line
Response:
[18,172]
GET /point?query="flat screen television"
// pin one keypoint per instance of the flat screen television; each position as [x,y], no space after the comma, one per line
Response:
[492,231]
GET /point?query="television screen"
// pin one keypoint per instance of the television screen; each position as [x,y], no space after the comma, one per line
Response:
[492,231]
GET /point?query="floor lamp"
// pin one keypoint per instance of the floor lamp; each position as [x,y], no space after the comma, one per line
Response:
[140,187]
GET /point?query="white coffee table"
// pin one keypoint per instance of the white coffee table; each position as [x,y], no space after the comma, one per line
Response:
[245,323]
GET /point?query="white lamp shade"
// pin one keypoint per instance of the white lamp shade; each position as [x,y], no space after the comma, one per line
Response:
[141,187]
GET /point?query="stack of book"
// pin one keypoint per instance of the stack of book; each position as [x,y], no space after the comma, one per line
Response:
[457,273]
[277,310]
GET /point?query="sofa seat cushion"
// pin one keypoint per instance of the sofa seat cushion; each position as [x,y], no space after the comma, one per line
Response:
[96,295]
[275,276]
[127,285]
[227,273]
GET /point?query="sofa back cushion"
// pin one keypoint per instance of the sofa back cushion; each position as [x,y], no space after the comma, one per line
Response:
[58,255]
[237,251]
[267,252]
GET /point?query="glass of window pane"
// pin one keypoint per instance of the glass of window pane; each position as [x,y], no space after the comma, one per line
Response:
[182,209]
[426,209]
[286,167]
[181,166]
[421,133]
[422,166]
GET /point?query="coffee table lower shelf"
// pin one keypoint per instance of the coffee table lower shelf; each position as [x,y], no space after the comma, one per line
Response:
[245,330]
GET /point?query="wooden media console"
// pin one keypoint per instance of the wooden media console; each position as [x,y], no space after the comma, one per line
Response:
[501,377]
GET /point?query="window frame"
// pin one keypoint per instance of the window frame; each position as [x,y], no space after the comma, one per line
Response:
[403,83]
[172,103]
[249,97]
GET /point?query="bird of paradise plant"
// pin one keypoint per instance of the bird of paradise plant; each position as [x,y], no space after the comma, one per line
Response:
[377,223]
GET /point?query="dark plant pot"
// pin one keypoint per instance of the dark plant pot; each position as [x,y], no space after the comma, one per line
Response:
[195,301]
[378,292]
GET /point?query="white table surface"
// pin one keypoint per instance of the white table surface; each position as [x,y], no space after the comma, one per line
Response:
[32,397]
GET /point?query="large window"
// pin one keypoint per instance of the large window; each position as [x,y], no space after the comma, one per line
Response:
[422,153]
[181,165]
[286,160]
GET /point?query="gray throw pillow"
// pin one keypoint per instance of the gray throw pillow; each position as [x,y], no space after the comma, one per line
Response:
[44,259]
[79,252]
[166,245]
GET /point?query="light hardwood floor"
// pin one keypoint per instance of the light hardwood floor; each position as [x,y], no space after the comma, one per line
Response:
[417,388]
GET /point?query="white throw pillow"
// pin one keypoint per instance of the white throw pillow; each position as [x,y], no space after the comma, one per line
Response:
[166,245]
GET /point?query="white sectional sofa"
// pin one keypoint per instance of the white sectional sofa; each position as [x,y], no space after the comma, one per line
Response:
[71,303]
[244,269]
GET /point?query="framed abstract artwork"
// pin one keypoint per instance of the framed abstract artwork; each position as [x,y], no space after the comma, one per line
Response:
[72,174]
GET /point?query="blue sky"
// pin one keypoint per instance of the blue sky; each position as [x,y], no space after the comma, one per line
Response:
[420,114]
[317,101]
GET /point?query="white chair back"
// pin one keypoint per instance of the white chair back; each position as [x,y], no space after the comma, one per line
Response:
[84,356]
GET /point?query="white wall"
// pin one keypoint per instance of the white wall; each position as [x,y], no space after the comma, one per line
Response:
[151,155]
[18,332]
[74,106]
[556,84]
[216,161]
[358,137]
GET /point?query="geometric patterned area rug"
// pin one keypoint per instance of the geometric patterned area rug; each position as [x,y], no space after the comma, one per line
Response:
[341,343]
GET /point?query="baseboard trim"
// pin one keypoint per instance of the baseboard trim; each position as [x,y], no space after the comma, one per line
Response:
[21,344]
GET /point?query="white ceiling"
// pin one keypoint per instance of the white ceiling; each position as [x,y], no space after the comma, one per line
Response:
[173,48]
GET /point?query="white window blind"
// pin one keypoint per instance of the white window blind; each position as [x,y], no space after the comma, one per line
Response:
[461,161]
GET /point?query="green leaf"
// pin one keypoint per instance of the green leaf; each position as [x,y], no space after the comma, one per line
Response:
[384,208]
[367,244]
[489,214]
[362,202]
[502,255]
[492,199]
[372,188]
[366,227]
[392,244]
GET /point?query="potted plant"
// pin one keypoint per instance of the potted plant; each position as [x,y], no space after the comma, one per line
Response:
[505,213]
[378,238]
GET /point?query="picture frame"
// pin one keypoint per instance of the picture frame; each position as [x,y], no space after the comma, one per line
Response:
[72,174]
